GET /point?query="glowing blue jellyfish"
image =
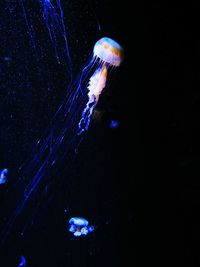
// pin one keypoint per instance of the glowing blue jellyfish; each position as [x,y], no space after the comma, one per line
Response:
[80,226]
[22,262]
[106,53]
[3,176]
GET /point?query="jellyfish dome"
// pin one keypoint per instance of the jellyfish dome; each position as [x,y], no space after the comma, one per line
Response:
[109,51]
[78,221]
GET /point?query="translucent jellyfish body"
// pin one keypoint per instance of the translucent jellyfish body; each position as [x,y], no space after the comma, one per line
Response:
[106,53]
[80,226]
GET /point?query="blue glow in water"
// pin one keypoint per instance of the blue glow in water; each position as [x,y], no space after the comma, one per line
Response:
[3,176]
[22,262]
[114,124]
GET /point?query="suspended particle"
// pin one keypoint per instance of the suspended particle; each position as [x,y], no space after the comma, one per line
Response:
[114,124]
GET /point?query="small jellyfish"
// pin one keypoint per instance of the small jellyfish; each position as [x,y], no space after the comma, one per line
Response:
[22,262]
[114,124]
[80,226]
[106,53]
[3,176]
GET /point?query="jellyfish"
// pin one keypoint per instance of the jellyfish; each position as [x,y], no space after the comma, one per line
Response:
[22,262]
[3,176]
[80,226]
[106,53]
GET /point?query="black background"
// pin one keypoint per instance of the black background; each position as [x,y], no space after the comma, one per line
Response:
[172,132]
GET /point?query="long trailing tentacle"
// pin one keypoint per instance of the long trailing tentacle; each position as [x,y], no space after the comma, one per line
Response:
[96,85]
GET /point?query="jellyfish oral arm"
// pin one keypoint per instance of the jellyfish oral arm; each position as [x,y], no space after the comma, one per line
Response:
[95,86]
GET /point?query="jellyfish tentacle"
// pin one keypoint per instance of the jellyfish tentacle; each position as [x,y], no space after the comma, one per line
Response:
[96,84]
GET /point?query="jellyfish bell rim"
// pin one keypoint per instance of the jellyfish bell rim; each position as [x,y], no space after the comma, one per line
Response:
[78,221]
[109,51]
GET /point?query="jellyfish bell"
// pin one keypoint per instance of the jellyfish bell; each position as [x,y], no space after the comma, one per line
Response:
[109,51]
[78,221]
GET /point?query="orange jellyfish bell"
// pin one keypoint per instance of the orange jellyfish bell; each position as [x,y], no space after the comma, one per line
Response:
[109,51]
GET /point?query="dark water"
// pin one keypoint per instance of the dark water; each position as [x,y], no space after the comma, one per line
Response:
[172,56]
[104,182]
